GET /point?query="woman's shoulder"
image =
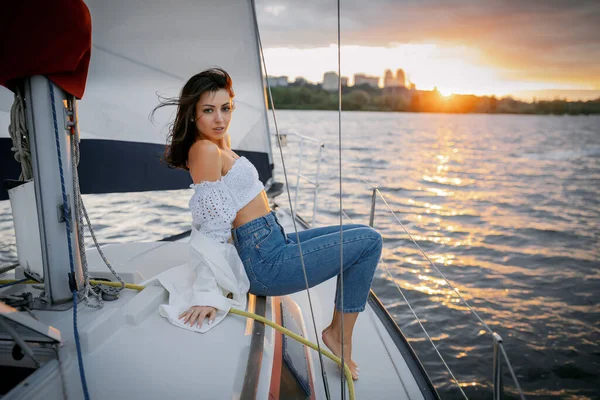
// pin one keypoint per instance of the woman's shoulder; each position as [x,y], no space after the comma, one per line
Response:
[205,161]
[205,148]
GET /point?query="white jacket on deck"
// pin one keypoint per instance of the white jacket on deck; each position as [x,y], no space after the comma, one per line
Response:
[214,271]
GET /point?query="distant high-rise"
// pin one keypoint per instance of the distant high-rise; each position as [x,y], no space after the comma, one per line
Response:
[389,80]
[330,81]
[398,86]
[401,77]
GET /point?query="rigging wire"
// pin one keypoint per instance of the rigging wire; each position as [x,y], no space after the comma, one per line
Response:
[427,257]
[457,293]
[486,326]
[339,62]
[264,65]
[419,321]
[424,330]
[433,264]
[512,372]
[504,354]
[81,213]
[67,212]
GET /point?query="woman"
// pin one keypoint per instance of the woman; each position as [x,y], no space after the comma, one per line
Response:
[228,194]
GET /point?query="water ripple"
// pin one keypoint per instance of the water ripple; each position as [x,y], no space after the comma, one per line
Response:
[508,207]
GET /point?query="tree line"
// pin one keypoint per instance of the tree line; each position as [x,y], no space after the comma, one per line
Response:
[366,98]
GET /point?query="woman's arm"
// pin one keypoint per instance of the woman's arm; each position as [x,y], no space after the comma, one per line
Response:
[205,164]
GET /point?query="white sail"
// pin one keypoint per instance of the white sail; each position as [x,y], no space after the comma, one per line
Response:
[145,48]
[142,47]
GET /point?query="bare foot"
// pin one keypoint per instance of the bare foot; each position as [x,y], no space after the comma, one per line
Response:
[346,353]
[333,343]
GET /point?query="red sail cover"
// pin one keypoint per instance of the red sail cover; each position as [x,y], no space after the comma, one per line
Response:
[51,38]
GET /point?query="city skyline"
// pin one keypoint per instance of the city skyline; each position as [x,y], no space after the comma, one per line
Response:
[477,79]
[479,47]
[528,96]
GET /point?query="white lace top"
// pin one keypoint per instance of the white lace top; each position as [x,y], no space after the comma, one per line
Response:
[214,205]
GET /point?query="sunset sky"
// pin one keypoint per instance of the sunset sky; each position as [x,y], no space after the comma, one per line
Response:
[539,48]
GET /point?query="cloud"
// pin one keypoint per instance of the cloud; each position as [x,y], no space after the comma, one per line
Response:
[540,40]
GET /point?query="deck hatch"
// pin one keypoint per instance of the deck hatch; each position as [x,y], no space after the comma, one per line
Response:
[294,353]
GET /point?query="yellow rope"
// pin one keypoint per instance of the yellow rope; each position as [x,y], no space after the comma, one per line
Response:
[92,281]
[5,281]
[246,314]
[117,284]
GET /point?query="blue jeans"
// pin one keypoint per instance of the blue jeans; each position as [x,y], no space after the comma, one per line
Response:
[272,259]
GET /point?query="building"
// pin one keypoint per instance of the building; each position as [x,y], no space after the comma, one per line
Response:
[401,78]
[278,81]
[330,81]
[389,80]
[362,79]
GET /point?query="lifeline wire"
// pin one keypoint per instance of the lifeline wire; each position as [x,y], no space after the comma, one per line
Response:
[419,321]
[424,330]
[457,293]
[504,354]
[514,376]
[427,257]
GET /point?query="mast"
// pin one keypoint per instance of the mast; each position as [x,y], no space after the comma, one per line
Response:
[49,135]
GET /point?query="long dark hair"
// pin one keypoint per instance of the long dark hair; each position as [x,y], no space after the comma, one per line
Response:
[182,132]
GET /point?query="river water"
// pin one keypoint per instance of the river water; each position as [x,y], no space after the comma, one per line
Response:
[506,206]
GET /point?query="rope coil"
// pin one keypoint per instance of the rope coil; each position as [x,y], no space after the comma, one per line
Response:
[20,137]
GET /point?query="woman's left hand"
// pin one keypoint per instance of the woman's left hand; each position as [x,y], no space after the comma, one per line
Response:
[196,314]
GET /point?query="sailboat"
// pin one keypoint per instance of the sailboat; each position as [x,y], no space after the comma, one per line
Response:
[51,345]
